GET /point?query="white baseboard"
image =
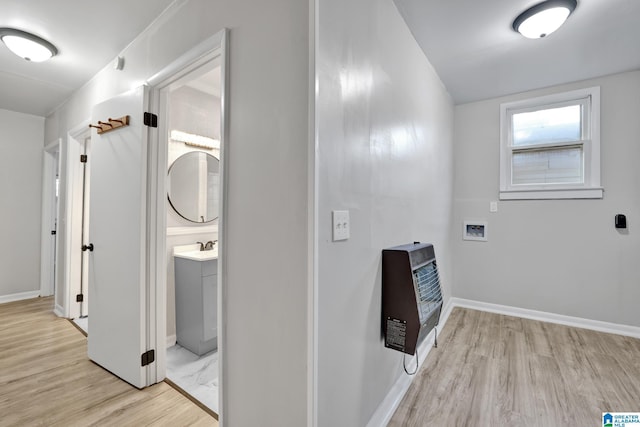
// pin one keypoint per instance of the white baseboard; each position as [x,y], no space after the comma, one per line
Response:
[58,310]
[19,296]
[171,341]
[577,322]
[388,406]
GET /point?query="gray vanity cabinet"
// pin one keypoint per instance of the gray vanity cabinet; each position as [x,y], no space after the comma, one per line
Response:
[196,304]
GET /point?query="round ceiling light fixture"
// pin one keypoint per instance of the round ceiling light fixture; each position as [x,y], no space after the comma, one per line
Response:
[544,18]
[26,45]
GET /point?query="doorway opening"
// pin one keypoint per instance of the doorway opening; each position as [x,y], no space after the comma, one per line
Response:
[50,210]
[193,112]
[72,292]
[192,72]
[80,226]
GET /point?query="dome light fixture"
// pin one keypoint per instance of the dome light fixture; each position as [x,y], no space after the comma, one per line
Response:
[544,18]
[26,45]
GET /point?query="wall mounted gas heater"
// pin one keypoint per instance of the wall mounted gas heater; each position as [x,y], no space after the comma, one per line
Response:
[411,295]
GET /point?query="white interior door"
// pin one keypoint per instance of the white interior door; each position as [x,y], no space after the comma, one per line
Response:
[117,231]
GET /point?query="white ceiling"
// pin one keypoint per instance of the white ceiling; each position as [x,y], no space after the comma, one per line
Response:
[469,42]
[88,34]
[478,56]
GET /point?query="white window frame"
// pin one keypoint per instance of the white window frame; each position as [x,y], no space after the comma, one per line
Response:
[589,98]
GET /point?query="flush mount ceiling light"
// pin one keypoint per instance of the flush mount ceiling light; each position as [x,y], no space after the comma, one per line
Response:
[26,45]
[544,18]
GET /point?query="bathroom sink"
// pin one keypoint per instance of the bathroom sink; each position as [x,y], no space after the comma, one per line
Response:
[193,252]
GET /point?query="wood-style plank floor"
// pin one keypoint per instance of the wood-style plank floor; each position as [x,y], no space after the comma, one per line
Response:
[494,370]
[46,379]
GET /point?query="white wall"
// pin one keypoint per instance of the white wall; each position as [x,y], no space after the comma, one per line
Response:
[385,126]
[21,151]
[266,324]
[560,256]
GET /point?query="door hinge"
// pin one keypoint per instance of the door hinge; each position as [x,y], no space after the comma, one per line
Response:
[83,158]
[79,298]
[150,120]
[148,357]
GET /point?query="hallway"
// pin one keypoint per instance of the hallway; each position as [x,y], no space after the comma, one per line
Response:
[47,379]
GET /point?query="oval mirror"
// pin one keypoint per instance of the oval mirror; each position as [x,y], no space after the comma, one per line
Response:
[194,181]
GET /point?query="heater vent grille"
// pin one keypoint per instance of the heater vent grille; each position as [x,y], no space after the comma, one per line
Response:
[427,285]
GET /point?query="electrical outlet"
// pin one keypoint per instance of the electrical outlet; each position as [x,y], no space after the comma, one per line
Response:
[493,206]
[340,225]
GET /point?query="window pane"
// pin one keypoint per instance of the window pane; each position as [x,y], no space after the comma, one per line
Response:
[547,126]
[561,165]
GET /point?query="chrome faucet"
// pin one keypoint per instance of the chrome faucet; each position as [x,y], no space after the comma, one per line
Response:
[202,245]
[209,245]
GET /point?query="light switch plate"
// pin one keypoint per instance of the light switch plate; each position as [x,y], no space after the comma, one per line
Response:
[340,225]
[493,206]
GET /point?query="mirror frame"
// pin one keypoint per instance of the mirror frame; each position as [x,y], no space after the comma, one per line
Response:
[169,187]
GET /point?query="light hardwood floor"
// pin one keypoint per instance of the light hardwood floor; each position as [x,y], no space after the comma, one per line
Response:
[494,370]
[46,379]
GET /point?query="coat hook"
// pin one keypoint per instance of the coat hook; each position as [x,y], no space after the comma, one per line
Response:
[116,120]
[95,126]
[104,123]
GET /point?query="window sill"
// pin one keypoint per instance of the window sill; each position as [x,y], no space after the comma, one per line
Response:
[580,193]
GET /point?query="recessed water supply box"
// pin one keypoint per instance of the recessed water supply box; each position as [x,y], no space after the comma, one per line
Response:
[411,295]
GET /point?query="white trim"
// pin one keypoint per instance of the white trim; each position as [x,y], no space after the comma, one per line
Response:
[47,250]
[156,290]
[186,231]
[19,296]
[58,310]
[74,192]
[554,98]
[389,405]
[69,259]
[589,98]
[223,227]
[576,193]
[194,58]
[171,340]
[52,146]
[312,218]
[543,316]
[203,53]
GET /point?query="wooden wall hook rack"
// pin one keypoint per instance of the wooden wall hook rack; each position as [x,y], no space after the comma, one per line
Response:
[111,124]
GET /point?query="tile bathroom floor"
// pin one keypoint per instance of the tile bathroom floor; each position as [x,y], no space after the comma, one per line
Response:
[83,323]
[197,375]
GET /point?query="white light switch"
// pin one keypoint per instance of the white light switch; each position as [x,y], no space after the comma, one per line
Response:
[340,225]
[493,206]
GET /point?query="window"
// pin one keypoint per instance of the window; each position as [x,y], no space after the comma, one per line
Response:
[550,147]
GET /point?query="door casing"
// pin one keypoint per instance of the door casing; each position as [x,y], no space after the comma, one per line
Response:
[214,47]
[50,213]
